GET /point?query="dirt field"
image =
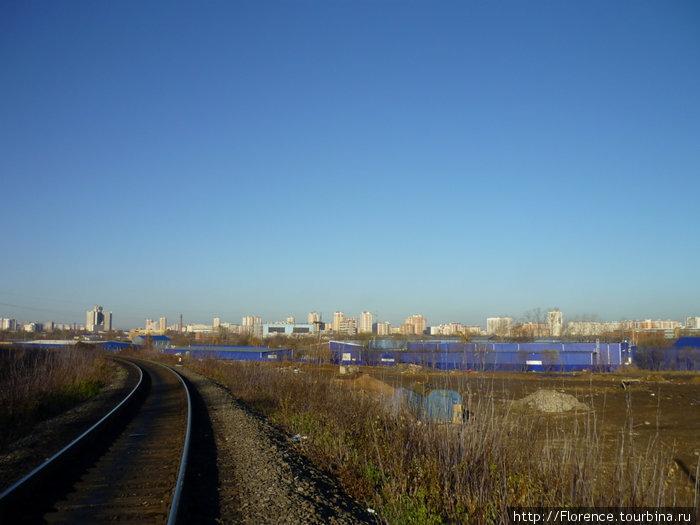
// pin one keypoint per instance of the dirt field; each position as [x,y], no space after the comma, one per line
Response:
[651,407]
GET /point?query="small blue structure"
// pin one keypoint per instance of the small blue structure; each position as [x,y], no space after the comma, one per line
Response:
[443,405]
[430,404]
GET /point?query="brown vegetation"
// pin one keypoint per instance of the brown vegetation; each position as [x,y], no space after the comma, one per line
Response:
[36,384]
[423,472]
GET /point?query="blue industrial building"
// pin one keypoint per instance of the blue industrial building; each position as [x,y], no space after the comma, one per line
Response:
[159,342]
[236,353]
[687,342]
[451,355]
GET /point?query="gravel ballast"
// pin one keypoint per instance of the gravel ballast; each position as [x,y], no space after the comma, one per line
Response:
[260,476]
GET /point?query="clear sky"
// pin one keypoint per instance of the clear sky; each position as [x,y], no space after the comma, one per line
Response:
[456,159]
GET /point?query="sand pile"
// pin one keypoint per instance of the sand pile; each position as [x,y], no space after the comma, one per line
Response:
[551,401]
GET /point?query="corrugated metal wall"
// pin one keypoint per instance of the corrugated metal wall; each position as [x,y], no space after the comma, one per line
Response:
[486,356]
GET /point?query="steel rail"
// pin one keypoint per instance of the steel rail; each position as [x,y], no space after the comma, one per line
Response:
[53,460]
[175,504]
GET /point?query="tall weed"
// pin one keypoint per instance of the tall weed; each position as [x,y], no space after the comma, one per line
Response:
[36,384]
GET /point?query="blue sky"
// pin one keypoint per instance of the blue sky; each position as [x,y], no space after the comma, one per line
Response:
[456,159]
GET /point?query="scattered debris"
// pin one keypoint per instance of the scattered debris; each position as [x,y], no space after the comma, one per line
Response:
[627,382]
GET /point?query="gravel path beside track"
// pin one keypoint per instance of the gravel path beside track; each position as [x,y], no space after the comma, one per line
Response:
[261,478]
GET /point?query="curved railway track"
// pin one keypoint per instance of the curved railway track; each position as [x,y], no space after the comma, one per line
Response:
[130,466]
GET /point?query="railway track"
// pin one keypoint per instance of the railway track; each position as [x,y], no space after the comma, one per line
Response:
[130,466]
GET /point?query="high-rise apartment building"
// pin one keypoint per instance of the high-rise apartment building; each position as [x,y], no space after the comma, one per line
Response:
[217,323]
[384,328]
[692,322]
[252,325]
[338,318]
[366,323]
[251,320]
[313,318]
[98,321]
[348,326]
[414,325]
[555,323]
[499,325]
[163,324]
[8,324]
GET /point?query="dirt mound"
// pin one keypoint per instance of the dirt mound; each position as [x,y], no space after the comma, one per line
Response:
[409,368]
[367,383]
[551,401]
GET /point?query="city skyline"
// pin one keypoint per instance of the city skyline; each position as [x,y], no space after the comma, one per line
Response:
[460,160]
[367,322]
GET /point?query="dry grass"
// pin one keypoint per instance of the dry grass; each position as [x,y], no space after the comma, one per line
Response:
[36,384]
[424,472]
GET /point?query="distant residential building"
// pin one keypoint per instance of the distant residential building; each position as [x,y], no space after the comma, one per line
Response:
[414,325]
[529,329]
[501,326]
[452,329]
[338,318]
[98,321]
[163,324]
[217,323]
[229,327]
[384,328]
[8,324]
[199,328]
[692,323]
[366,323]
[289,320]
[590,328]
[252,325]
[251,320]
[555,323]
[313,317]
[348,326]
